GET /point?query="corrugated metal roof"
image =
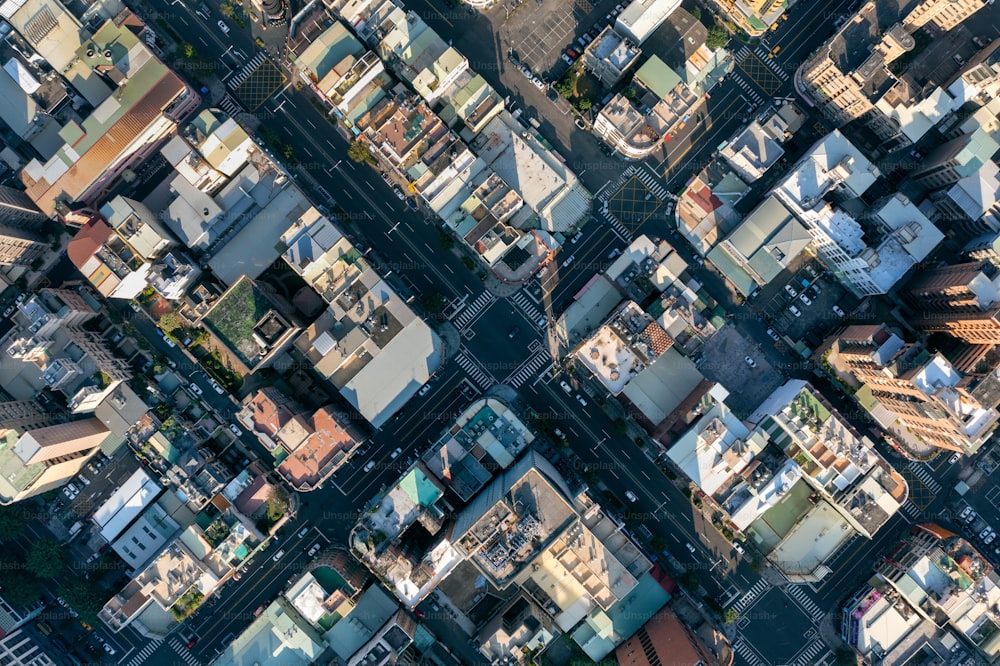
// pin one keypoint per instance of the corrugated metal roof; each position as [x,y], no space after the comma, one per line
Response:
[109,147]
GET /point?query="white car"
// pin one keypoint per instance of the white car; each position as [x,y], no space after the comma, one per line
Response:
[987,530]
[952,461]
[194,388]
[135,307]
[236,431]
[537,82]
[424,390]
[771,333]
[170,343]
[566,59]
[369,466]
[314,550]
[631,496]
[84,480]
[689,547]
[215,385]
[749,361]
[739,548]
[279,555]
[965,513]
[8,312]
[988,540]
[565,387]
[805,299]
[579,399]
[791,291]
[837,311]
[223,27]
[395,454]
[794,310]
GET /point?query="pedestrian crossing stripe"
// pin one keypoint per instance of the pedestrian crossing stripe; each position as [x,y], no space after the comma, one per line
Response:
[519,377]
[750,595]
[182,652]
[748,654]
[808,657]
[475,373]
[149,649]
[764,57]
[230,106]
[742,54]
[246,71]
[911,510]
[620,229]
[921,472]
[799,596]
[464,317]
[529,309]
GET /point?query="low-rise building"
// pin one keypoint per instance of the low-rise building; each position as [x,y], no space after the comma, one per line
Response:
[705,207]
[368,342]
[418,55]
[641,18]
[609,56]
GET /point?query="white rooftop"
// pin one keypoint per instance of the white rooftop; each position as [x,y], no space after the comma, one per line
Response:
[832,161]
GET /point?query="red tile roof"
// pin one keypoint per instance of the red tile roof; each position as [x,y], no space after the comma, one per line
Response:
[87,241]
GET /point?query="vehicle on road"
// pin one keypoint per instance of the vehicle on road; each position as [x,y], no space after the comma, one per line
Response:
[395,454]
[235,430]
[107,647]
[257,613]
[738,547]
[215,385]
[170,343]
[278,555]
[314,550]
[398,191]
[424,390]
[952,461]
[631,496]
[191,644]
[690,548]
[580,399]
[794,310]
[559,433]
[749,361]
[84,480]
[135,307]
[194,388]
[512,333]
[304,531]
[369,466]
[223,27]
[614,253]
[172,363]
[565,387]
[569,260]
[8,311]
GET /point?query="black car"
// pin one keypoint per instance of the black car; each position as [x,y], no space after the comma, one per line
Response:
[411,203]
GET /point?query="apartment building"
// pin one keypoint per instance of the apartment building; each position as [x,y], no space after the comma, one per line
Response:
[962,300]
[610,55]
[942,14]
[40,459]
[914,393]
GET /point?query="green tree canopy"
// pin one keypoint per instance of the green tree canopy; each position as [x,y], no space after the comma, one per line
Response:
[46,558]
[19,586]
[359,152]
[12,520]
[170,322]
[717,37]
[83,598]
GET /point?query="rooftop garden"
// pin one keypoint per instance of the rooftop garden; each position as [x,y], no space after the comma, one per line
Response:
[187,604]
[234,316]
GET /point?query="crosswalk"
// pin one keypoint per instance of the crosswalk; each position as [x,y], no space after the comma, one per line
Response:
[182,652]
[230,106]
[808,657]
[529,370]
[911,510]
[521,300]
[751,594]
[246,71]
[742,54]
[748,655]
[748,89]
[617,227]
[475,373]
[142,655]
[802,599]
[649,180]
[921,472]
[611,188]
[469,312]
[769,62]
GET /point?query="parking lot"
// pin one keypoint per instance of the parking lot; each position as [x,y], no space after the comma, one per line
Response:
[722,360]
[810,294]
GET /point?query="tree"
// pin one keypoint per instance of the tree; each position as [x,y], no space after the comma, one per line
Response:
[227,10]
[170,322]
[565,87]
[188,51]
[620,426]
[730,615]
[689,579]
[845,657]
[19,586]
[12,522]
[695,12]
[359,152]
[433,302]
[278,504]
[83,598]
[717,37]
[45,559]
[584,104]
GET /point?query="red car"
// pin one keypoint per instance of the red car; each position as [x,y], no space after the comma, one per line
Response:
[572,54]
[191,644]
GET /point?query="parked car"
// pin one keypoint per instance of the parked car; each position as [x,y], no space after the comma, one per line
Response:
[837,311]
[982,535]
[578,121]
[215,385]
[424,389]
[565,387]
[791,290]
[953,460]
[107,647]
[965,513]
[794,310]
[135,306]
[8,311]
[631,496]
[738,547]
[749,361]
[805,299]
[223,27]
[559,433]
[194,388]
[771,333]
[989,539]
[566,59]
[971,518]
[572,53]
[84,480]
[304,531]
[580,399]
[235,430]
[614,253]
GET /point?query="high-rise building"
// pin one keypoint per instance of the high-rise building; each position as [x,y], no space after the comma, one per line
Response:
[962,300]
[915,393]
[37,460]
[942,14]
